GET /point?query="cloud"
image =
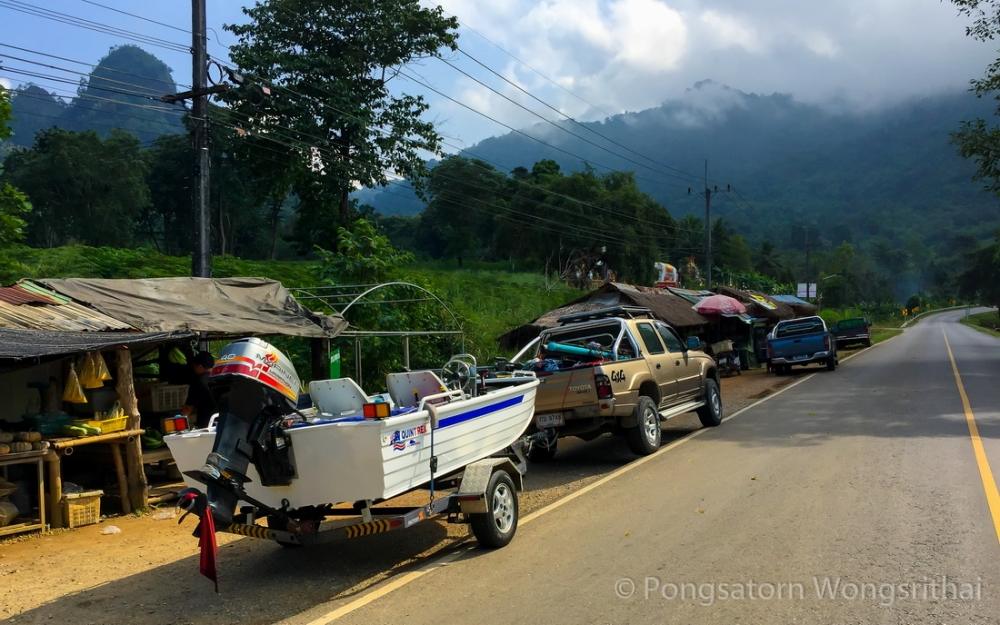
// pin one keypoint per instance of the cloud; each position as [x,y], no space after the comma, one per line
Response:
[4,83]
[627,55]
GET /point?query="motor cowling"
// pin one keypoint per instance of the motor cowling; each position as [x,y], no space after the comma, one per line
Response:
[255,386]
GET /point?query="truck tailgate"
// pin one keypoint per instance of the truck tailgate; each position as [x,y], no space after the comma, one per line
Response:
[565,390]
[798,347]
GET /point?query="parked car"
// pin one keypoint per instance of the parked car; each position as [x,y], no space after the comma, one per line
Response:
[852,331]
[801,341]
[617,370]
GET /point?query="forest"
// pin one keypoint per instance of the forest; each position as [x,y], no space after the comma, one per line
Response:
[878,207]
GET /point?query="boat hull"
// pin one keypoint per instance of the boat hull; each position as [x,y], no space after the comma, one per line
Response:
[379,459]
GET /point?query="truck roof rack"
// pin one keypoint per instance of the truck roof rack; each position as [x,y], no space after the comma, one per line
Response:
[629,312]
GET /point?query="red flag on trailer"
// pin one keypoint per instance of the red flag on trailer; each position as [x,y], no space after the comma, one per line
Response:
[209,549]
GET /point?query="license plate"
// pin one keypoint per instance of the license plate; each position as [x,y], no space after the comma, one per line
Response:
[800,357]
[549,420]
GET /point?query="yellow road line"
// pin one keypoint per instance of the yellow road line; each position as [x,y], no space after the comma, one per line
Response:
[985,473]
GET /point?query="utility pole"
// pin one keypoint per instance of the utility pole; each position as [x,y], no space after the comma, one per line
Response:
[808,268]
[708,228]
[202,258]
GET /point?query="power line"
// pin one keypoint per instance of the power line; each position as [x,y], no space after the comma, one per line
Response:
[687,175]
[508,126]
[167,84]
[72,20]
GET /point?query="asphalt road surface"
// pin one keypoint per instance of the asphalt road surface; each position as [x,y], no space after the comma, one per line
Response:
[854,496]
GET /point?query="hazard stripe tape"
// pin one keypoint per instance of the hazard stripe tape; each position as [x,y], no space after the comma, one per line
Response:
[251,531]
[377,526]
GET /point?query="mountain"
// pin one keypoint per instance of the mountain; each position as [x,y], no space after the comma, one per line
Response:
[890,174]
[122,92]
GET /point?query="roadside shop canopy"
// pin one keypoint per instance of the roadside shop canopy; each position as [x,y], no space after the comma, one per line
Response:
[219,307]
[664,305]
[16,344]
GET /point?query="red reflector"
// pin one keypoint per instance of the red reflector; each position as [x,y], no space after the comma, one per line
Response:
[377,410]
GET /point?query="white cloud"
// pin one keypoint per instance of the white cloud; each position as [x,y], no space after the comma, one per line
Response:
[632,54]
[4,83]
[728,31]
[651,35]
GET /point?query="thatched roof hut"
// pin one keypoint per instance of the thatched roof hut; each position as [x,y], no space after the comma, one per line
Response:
[664,305]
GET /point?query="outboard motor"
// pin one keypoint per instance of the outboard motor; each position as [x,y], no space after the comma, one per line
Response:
[255,386]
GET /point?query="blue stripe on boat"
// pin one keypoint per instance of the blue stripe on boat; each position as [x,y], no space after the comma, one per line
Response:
[478,412]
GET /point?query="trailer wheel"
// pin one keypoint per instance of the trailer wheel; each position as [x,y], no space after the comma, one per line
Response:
[495,527]
[644,439]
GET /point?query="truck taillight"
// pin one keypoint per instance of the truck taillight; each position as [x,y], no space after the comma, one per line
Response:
[826,342]
[603,384]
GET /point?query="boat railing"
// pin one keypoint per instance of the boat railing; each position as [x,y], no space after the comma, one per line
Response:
[437,397]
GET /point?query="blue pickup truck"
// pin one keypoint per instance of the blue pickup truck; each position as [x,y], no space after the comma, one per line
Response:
[801,341]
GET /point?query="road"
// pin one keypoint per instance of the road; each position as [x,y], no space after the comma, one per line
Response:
[861,483]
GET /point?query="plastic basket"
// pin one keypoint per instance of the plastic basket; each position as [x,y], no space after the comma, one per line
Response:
[107,426]
[163,397]
[81,509]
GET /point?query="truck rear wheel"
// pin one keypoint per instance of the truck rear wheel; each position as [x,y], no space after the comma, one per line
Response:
[644,439]
[495,527]
[711,413]
[831,363]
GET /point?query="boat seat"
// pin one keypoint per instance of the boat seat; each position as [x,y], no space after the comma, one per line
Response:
[408,388]
[339,397]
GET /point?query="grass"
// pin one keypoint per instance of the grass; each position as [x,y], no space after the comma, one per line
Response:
[884,334]
[986,322]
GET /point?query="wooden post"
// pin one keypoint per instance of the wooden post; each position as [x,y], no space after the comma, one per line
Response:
[55,488]
[138,488]
[123,489]
[320,358]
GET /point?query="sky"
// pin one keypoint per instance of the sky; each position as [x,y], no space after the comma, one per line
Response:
[594,58]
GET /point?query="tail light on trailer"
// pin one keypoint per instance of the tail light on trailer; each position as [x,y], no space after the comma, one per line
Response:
[603,384]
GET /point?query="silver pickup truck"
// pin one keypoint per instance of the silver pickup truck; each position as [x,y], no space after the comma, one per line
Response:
[617,370]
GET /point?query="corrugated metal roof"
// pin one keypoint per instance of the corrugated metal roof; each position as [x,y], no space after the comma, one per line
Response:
[30,306]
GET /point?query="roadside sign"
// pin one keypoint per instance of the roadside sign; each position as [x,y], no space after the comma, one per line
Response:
[806,289]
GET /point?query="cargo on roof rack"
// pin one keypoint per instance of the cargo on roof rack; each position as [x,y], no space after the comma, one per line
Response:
[628,312]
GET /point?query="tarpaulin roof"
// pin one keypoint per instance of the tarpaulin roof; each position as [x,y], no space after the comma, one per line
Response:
[216,306]
[800,306]
[18,344]
[664,305]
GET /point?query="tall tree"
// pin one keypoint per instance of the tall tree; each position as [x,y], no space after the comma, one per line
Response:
[981,277]
[330,109]
[979,139]
[14,205]
[84,189]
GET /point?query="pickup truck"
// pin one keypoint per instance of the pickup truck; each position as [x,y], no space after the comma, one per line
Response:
[616,370]
[851,331]
[801,341]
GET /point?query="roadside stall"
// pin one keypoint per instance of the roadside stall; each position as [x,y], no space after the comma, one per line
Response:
[66,364]
[665,306]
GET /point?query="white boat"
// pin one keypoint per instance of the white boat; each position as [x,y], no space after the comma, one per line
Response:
[338,455]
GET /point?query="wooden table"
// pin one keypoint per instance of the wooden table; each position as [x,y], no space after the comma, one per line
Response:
[65,446]
[27,457]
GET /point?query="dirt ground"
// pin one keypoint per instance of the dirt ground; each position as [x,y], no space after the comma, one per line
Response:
[148,573]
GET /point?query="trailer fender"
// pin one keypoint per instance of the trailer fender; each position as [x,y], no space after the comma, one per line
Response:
[471,495]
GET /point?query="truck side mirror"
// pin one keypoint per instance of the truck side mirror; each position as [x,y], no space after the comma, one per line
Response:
[693,342]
